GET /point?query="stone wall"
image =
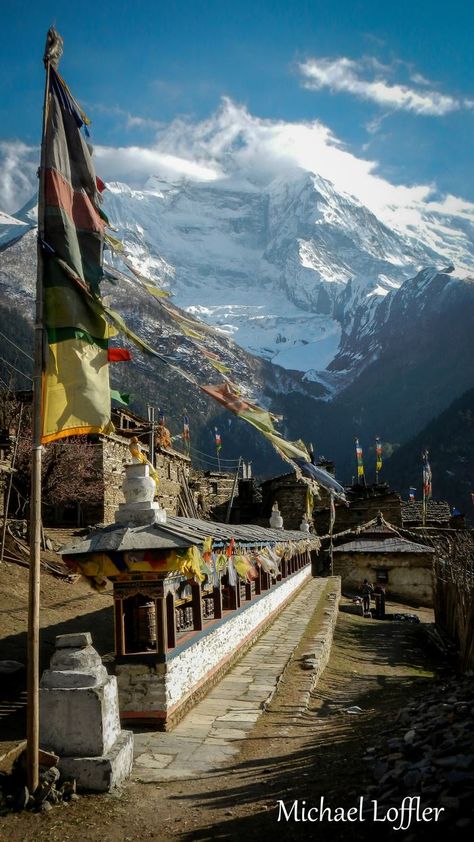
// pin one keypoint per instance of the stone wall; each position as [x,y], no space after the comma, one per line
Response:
[361,509]
[115,453]
[170,464]
[212,491]
[290,494]
[169,688]
[409,574]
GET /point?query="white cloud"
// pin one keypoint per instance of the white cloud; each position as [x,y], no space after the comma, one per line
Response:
[365,79]
[134,164]
[233,147]
[18,167]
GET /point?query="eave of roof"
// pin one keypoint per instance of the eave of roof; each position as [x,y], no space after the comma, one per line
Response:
[389,545]
[182,533]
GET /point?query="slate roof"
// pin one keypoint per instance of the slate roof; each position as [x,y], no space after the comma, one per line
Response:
[396,544]
[378,536]
[181,533]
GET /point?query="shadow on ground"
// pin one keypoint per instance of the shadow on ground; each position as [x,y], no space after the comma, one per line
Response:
[13,705]
[377,666]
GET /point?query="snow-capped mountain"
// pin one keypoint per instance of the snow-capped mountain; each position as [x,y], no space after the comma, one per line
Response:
[281,268]
[368,350]
[291,269]
[11,227]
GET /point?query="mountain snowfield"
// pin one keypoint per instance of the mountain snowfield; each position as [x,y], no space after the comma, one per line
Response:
[290,268]
[281,268]
[347,324]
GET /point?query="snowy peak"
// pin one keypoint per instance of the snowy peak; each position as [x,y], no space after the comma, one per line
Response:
[285,267]
[11,228]
[282,268]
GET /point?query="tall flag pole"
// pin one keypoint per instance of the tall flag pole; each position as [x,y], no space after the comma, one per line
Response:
[218,442]
[360,462]
[52,55]
[71,391]
[332,519]
[186,434]
[378,459]
[427,484]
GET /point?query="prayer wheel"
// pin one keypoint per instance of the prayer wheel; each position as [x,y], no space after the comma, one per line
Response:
[145,625]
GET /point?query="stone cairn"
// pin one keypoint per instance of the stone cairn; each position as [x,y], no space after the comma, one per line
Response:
[79,717]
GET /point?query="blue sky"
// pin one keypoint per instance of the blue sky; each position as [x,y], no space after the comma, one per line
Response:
[393,83]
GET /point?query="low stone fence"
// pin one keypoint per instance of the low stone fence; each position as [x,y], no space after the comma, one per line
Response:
[312,654]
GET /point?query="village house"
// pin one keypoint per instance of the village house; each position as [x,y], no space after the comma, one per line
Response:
[379,553]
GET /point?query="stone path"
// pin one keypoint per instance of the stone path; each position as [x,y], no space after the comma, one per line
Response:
[211,733]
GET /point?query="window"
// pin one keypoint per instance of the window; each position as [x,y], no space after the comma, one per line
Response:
[381,576]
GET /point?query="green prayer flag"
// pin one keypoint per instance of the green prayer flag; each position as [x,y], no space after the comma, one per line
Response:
[120,397]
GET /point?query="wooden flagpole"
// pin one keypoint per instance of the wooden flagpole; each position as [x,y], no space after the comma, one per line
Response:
[32,722]
[332,518]
[423,475]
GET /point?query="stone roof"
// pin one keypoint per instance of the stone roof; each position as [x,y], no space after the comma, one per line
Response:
[377,536]
[395,544]
[181,533]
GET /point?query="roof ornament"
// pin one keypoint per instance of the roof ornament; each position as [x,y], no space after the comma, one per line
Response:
[304,525]
[139,489]
[276,520]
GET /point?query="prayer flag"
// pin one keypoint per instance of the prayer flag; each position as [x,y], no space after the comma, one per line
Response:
[76,392]
[411,494]
[360,459]
[229,397]
[186,435]
[120,397]
[217,441]
[378,453]
[427,477]
[332,512]
[118,355]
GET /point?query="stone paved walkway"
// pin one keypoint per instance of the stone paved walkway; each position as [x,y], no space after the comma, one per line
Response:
[211,733]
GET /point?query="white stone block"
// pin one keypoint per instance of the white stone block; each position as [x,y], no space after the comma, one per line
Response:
[73,641]
[100,774]
[79,721]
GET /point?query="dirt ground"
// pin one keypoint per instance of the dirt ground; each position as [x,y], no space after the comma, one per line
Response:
[378,666]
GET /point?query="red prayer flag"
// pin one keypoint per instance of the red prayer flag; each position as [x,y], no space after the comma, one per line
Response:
[118,355]
[100,184]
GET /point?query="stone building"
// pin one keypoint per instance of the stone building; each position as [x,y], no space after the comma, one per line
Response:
[212,492]
[291,495]
[438,514]
[379,553]
[364,502]
[111,453]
